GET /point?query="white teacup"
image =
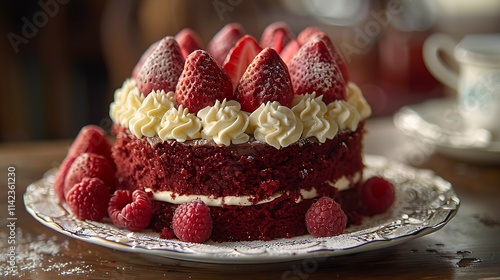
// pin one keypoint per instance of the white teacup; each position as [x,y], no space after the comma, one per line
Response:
[477,80]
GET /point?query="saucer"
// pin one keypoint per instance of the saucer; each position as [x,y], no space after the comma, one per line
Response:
[439,123]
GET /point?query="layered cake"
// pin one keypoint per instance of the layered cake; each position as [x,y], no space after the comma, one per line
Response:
[243,140]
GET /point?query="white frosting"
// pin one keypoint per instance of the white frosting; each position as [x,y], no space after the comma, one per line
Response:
[275,124]
[345,115]
[127,100]
[341,184]
[311,111]
[224,123]
[356,99]
[147,119]
[180,125]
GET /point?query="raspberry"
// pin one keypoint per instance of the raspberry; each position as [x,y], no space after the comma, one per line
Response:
[88,199]
[325,218]
[351,204]
[377,194]
[130,210]
[167,233]
[162,215]
[192,222]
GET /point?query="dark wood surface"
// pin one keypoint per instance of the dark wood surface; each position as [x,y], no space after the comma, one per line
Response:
[468,247]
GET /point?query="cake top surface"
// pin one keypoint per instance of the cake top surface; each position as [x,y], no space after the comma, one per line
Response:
[277,91]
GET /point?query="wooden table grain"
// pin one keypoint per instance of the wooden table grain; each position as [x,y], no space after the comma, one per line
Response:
[468,247]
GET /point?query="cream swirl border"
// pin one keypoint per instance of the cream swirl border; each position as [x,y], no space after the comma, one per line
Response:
[225,123]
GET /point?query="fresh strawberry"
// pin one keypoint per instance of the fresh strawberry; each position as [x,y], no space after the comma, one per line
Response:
[307,34]
[90,139]
[143,58]
[289,51]
[93,166]
[202,82]
[162,68]
[276,35]
[224,40]
[312,32]
[188,41]
[60,178]
[313,69]
[240,56]
[265,79]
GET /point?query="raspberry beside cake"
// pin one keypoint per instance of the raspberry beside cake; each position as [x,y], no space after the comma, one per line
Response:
[245,141]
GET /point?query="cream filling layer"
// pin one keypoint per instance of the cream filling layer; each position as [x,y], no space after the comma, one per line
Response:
[341,184]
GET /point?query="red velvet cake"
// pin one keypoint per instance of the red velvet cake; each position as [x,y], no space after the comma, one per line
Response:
[257,139]
[245,140]
[273,181]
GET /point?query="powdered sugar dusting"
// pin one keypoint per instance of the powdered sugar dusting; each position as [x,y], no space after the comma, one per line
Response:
[33,253]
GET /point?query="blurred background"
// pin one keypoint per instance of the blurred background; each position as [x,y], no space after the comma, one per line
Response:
[61,60]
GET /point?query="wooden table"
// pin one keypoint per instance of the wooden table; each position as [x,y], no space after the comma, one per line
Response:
[466,248]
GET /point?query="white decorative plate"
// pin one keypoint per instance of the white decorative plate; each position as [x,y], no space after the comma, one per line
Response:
[439,123]
[424,203]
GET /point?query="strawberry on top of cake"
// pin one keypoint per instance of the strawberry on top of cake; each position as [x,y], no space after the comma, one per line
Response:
[173,81]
